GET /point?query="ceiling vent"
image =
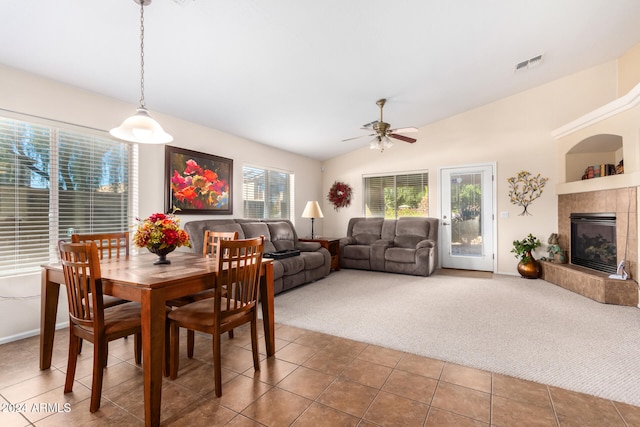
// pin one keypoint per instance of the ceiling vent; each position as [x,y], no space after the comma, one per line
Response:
[529,63]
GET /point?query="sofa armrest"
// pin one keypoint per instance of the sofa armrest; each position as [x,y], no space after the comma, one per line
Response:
[307,246]
[347,241]
[426,244]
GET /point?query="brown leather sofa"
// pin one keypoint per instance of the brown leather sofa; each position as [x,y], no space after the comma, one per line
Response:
[313,263]
[406,245]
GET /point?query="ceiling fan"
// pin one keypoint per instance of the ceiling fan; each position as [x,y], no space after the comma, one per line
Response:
[383,132]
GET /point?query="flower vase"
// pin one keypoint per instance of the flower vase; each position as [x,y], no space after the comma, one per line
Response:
[529,269]
[162,254]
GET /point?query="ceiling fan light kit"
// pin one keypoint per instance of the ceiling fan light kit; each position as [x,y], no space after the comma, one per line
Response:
[384,133]
[141,127]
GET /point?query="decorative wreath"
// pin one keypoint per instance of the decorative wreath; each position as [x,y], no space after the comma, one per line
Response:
[339,195]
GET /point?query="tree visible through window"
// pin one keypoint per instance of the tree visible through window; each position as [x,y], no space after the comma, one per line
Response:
[53,181]
[395,196]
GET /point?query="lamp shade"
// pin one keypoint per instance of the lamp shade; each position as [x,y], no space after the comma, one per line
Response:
[141,128]
[312,210]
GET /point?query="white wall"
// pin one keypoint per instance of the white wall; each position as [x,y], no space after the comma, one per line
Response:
[514,132]
[30,94]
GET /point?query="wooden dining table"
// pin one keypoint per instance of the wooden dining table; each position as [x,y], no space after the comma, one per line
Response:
[136,278]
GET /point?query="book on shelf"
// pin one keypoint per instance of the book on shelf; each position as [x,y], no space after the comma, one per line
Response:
[597,171]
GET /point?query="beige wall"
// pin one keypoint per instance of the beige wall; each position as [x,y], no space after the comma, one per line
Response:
[514,132]
[629,70]
[27,93]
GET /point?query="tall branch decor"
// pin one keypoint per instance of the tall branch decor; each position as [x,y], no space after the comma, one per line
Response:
[525,188]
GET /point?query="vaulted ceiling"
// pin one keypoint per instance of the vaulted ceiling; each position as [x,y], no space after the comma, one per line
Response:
[303,75]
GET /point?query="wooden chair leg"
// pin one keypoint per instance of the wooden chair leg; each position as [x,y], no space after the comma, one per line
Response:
[254,345]
[99,358]
[231,334]
[79,345]
[74,343]
[190,343]
[175,343]
[217,369]
[167,347]
[137,343]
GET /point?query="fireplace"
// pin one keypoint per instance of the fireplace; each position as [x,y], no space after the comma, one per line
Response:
[593,241]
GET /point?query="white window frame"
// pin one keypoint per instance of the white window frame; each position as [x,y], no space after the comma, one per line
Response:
[264,196]
[366,210]
[51,230]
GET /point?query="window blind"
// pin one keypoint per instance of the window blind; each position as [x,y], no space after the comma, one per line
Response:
[55,182]
[267,193]
[394,196]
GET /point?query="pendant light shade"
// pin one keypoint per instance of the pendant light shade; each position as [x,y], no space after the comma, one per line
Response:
[140,127]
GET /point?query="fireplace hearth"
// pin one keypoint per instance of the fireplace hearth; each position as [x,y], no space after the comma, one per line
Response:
[593,241]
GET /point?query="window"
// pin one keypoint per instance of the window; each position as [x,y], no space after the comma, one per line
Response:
[267,193]
[394,196]
[54,182]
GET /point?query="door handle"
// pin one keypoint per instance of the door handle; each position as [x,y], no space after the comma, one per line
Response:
[446,223]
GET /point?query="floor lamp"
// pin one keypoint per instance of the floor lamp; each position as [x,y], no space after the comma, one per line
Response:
[313,211]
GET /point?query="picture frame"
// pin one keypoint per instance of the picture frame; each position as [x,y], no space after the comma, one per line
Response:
[198,183]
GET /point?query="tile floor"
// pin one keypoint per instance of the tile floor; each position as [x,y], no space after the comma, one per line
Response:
[314,380]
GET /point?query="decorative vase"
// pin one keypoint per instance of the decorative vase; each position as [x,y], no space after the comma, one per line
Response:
[162,254]
[529,269]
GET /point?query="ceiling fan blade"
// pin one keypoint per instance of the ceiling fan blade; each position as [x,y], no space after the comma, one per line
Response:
[403,138]
[357,137]
[404,130]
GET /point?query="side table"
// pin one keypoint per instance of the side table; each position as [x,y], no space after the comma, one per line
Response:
[332,244]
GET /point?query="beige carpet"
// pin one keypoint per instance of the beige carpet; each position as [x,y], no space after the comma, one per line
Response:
[529,329]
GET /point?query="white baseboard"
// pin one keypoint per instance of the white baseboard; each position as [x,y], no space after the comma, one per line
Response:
[28,334]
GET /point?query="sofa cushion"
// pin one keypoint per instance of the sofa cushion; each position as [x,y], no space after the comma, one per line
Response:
[356,251]
[312,260]
[408,241]
[280,231]
[400,255]
[229,227]
[292,265]
[367,231]
[257,229]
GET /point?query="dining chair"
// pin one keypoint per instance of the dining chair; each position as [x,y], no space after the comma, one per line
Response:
[212,239]
[210,248]
[109,245]
[96,324]
[235,303]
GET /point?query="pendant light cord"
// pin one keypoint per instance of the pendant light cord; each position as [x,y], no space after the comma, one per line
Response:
[142,53]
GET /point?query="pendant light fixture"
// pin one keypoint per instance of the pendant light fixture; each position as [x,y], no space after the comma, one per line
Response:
[140,127]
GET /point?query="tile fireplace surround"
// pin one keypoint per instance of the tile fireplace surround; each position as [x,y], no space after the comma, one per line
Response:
[591,283]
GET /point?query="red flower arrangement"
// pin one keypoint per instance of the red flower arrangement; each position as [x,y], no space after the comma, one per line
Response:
[339,195]
[197,188]
[160,231]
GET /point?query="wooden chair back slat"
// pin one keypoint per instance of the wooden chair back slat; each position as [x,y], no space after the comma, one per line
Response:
[239,273]
[109,245]
[212,241]
[82,275]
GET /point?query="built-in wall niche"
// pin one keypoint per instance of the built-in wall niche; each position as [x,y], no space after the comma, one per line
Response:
[594,150]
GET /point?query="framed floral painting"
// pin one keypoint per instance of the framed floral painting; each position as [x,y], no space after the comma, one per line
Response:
[198,183]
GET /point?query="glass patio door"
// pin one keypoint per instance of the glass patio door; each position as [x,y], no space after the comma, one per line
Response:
[467,218]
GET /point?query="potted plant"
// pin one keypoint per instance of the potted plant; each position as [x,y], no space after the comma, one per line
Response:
[528,267]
